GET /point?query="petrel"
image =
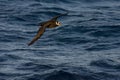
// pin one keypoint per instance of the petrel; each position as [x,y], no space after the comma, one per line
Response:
[52,23]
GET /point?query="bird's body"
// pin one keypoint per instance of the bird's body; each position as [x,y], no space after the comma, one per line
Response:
[47,24]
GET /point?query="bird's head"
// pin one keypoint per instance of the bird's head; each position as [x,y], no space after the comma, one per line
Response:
[58,23]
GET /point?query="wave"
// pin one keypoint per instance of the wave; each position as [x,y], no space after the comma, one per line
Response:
[106,64]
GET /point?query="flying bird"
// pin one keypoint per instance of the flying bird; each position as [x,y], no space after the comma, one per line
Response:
[47,24]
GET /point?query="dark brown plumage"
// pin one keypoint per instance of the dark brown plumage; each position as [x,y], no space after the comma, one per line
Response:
[47,24]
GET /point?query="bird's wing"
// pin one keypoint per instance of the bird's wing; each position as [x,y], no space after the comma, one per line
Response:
[55,18]
[42,23]
[39,34]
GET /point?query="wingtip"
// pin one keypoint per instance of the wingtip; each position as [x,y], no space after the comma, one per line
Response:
[29,44]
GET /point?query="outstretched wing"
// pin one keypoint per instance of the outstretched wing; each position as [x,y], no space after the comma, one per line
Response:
[39,34]
[42,23]
[55,18]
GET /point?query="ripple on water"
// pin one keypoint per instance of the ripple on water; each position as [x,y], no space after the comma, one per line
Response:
[106,64]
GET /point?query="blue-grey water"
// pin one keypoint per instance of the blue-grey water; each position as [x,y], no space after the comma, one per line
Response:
[85,47]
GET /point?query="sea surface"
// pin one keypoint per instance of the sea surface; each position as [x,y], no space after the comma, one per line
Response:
[85,47]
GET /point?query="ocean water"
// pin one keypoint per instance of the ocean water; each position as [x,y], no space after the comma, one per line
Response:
[85,47]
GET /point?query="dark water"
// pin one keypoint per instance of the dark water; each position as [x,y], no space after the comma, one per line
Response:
[85,47]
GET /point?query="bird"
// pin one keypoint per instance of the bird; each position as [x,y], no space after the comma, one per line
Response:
[52,23]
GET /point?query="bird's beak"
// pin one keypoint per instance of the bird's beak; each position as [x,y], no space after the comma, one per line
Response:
[59,24]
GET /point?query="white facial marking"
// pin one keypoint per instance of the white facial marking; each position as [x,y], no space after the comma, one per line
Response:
[57,23]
